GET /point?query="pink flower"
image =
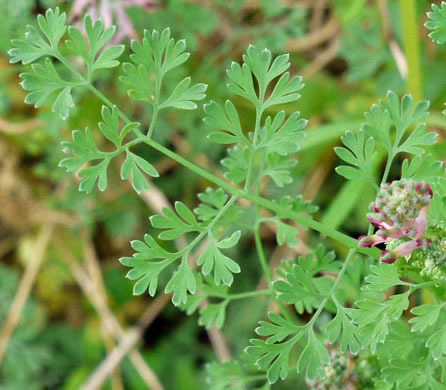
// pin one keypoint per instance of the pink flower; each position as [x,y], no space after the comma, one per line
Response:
[400,213]
[112,12]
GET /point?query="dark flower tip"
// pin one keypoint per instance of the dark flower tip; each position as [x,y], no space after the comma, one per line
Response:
[387,257]
[365,242]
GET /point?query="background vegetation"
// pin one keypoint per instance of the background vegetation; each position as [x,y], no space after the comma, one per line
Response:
[60,247]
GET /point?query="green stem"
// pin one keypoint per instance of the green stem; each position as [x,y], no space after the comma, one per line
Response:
[273,206]
[411,40]
[195,241]
[262,257]
[249,294]
[152,123]
[259,112]
[321,307]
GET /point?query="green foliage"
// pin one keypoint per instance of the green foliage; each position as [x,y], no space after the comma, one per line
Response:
[437,23]
[360,153]
[213,259]
[43,83]
[227,120]
[273,354]
[41,43]
[89,47]
[342,330]
[355,319]
[301,286]
[146,272]
[152,60]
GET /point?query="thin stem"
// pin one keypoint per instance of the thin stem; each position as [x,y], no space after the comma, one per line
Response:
[152,123]
[411,38]
[288,314]
[259,112]
[321,307]
[262,257]
[266,203]
[228,204]
[249,294]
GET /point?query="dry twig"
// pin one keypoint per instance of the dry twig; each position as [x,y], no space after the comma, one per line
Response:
[24,289]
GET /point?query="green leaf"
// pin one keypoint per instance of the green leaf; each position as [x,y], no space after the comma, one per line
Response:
[278,169]
[417,139]
[360,153]
[437,23]
[301,284]
[175,225]
[286,233]
[237,163]
[35,45]
[110,126]
[437,343]
[349,341]
[277,330]
[374,317]
[282,136]
[92,174]
[212,200]
[295,205]
[225,376]
[420,168]
[183,96]
[425,316]
[313,358]
[139,82]
[86,150]
[300,288]
[382,277]
[145,272]
[133,167]
[42,83]
[213,259]
[89,47]
[285,91]
[182,282]
[271,356]
[227,120]
[213,314]
[152,59]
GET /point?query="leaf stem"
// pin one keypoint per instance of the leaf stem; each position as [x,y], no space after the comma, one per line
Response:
[263,202]
[321,307]
[249,294]
[195,241]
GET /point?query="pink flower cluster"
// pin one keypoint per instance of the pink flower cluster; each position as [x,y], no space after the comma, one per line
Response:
[400,213]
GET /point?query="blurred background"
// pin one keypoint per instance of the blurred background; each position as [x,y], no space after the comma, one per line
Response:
[63,293]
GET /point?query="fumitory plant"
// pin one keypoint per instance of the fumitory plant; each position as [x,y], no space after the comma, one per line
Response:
[314,325]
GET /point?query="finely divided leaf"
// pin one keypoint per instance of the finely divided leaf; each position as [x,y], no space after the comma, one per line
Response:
[425,316]
[360,153]
[182,282]
[133,167]
[437,23]
[227,120]
[213,314]
[282,136]
[213,259]
[271,356]
[42,83]
[313,358]
[36,45]
[183,96]
[89,47]
[175,225]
